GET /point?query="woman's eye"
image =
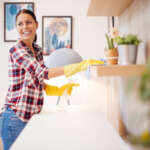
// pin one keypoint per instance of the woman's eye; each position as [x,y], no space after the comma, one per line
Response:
[20,24]
[28,22]
[25,23]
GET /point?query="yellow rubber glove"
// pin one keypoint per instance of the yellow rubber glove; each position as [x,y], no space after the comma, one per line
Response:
[71,69]
[56,91]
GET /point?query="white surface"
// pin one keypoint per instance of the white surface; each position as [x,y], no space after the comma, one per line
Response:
[74,128]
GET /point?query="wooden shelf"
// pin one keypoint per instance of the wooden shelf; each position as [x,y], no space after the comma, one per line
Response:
[107,7]
[116,70]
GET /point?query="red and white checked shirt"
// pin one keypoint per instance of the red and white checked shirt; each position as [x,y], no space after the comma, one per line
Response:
[26,74]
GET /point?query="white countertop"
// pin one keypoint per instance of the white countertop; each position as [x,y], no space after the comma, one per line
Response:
[74,128]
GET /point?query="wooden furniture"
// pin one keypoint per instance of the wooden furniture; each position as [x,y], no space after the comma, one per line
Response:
[117,70]
[108,7]
[115,76]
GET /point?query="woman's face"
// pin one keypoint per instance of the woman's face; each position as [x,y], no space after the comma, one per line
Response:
[26,27]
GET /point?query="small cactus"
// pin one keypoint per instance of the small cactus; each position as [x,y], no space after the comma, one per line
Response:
[110,42]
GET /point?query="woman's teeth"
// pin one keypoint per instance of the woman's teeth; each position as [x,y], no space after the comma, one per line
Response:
[26,33]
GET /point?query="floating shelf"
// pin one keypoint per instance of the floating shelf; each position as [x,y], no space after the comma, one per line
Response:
[107,7]
[117,70]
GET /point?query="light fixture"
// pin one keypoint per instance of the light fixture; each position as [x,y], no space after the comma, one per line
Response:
[62,57]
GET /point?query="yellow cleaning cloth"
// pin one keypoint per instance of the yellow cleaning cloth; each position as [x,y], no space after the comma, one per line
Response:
[71,69]
[56,91]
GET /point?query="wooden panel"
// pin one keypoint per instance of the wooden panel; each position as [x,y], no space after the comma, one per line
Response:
[117,70]
[113,107]
[107,7]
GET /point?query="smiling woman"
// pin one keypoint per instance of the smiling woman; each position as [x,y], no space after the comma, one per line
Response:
[26,74]
[26,26]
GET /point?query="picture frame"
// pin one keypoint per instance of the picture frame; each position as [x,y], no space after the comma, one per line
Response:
[56,33]
[10,11]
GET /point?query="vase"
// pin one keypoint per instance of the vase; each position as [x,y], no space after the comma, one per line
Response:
[111,56]
[127,54]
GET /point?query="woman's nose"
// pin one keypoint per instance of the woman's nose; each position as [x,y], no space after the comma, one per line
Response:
[25,25]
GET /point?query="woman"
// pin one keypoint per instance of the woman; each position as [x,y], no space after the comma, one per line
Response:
[26,73]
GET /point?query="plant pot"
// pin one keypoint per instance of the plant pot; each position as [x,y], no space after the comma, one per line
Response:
[127,54]
[111,56]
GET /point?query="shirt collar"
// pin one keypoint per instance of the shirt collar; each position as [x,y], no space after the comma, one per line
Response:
[23,45]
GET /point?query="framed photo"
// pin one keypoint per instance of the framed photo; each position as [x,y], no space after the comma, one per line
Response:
[56,33]
[10,11]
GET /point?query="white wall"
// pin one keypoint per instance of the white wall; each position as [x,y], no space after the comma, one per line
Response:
[135,20]
[88,39]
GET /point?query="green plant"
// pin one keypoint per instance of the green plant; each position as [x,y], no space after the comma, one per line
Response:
[110,42]
[144,84]
[144,89]
[127,39]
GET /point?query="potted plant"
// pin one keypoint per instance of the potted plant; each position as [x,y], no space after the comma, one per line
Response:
[127,48]
[111,52]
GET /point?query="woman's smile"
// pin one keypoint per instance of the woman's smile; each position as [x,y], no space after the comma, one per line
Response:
[27,34]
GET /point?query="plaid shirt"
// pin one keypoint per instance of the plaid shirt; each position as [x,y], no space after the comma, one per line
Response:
[26,74]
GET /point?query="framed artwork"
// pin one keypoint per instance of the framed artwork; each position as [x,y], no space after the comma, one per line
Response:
[56,33]
[10,11]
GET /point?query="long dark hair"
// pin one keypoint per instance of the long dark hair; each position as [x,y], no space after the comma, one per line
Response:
[27,11]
